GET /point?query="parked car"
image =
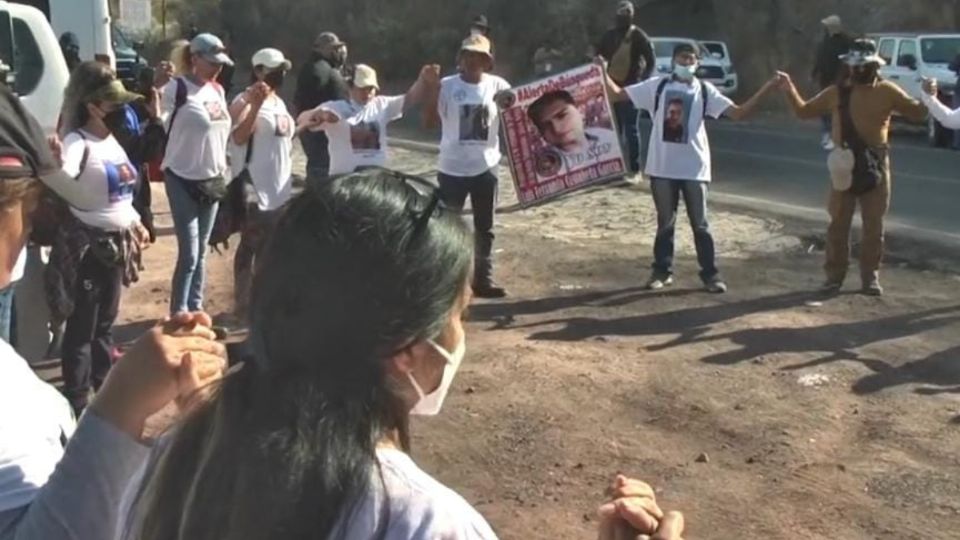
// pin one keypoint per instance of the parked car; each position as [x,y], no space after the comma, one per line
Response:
[129,61]
[912,57]
[37,71]
[720,51]
[711,69]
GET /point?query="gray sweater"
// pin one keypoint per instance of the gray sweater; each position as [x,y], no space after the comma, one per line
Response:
[81,499]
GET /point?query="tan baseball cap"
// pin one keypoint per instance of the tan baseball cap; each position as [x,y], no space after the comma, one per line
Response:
[365,76]
[270,59]
[477,43]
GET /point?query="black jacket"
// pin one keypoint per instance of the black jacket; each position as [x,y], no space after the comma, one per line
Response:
[640,49]
[827,68]
[318,83]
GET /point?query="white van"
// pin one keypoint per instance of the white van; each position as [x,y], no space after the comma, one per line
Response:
[88,19]
[38,72]
[912,57]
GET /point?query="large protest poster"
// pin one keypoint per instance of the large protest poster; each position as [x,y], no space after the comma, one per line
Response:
[560,135]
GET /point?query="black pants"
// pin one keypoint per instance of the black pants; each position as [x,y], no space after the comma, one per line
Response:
[482,190]
[88,339]
[316,148]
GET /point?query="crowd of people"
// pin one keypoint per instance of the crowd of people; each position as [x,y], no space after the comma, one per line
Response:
[353,291]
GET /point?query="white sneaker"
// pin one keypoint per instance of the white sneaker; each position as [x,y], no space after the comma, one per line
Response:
[656,283]
[827,142]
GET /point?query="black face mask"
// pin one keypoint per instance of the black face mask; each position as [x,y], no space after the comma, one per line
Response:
[116,121]
[624,21]
[863,76]
[274,79]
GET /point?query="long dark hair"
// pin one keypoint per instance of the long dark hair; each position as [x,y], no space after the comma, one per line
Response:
[85,78]
[358,268]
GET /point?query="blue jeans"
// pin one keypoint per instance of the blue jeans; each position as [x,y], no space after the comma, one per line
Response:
[666,197]
[318,153]
[193,223]
[629,132]
[7,314]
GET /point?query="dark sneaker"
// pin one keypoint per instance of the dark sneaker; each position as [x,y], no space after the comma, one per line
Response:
[656,282]
[831,287]
[489,290]
[715,286]
[873,288]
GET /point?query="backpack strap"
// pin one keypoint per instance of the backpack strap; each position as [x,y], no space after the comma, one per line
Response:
[848,130]
[659,94]
[703,97]
[179,101]
[86,155]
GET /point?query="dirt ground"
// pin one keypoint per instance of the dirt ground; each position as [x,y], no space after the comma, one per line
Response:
[766,413]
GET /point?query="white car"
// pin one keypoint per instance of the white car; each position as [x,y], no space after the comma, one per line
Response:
[913,57]
[711,69]
[720,51]
[38,72]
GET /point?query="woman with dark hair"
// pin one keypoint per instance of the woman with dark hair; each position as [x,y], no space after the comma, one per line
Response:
[356,324]
[861,104]
[194,109]
[96,250]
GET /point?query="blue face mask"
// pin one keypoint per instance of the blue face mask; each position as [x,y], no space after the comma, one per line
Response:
[685,73]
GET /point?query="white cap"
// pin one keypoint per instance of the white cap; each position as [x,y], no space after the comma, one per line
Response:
[833,21]
[270,59]
[365,76]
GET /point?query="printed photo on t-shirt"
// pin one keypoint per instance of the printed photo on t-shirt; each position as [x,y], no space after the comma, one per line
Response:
[676,117]
[121,180]
[365,136]
[474,122]
[284,125]
[216,111]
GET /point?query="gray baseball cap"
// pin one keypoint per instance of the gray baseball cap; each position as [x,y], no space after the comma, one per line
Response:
[211,49]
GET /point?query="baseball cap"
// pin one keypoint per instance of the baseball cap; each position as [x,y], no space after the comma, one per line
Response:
[477,43]
[625,7]
[863,51]
[365,76]
[211,49]
[326,41]
[833,21]
[270,59]
[24,151]
[113,92]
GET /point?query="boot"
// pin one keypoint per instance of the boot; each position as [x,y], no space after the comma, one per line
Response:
[483,284]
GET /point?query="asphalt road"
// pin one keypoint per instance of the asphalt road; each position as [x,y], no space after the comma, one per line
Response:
[783,162]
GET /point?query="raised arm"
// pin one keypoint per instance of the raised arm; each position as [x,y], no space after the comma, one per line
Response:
[820,105]
[244,111]
[424,87]
[615,91]
[739,112]
[909,108]
[949,118]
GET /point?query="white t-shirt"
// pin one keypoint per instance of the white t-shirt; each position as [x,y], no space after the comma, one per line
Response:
[359,139]
[679,148]
[101,194]
[35,420]
[270,160]
[470,144]
[197,146]
[19,267]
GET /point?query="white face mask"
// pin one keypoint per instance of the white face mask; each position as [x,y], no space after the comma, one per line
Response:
[430,404]
[685,73]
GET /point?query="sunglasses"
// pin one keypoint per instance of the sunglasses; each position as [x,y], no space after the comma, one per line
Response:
[425,191]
